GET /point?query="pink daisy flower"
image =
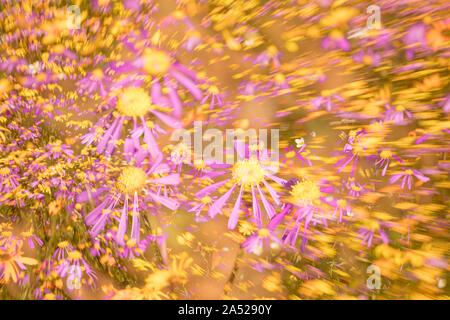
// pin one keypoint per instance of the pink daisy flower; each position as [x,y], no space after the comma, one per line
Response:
[355,149]
[382,160]
[249,174]
[398,115]
[368,234]
[165,74]
[260,239]
[73,267]
[305,203]
[406,176]
[135,186]
[132,103]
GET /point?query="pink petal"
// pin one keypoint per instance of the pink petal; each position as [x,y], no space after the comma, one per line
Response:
[165,201]
[123,223]
[168,120]
[172,179]
[135,229]
[187,83]
[269,209]
[210,188]
[234,217]
[219,203]
[256,211]
[272,192]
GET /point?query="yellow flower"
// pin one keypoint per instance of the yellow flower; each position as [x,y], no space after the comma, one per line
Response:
[54,208]
[439,35]
[9,259]
[432,82]
[272,283]
[179,267]
[316,288]
[246,228]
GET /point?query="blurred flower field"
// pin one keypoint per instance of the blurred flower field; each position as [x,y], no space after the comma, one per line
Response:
[100,198]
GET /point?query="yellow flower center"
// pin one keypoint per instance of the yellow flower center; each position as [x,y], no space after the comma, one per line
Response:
[385,154]
[156,62]
[263,233]
[358,149]
[409,172]
[74,255]
[304,193]
[157,232]
[248,172]
[367,60]
[131,179]
[57,147]
[199,164]
[27,234]
[4,171]
[279,78]
[325,93]
[150,124]
[63,244]
[399,108]
[213,90]
[336,34]
[48,108]
[131,242]
[290,154]
[50,296]
[134,102]
[206,200]
[373,225]
[180,150]
[341,203]
[103,2]
[98,73]
[272,51]
[179,14]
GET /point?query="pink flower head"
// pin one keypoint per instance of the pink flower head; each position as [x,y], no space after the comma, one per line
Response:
[250,174]
[406,176]
[304,205]
[382,160]
[134,103]
[368,235]
[301,154]
[355,149]
[399,115]
[325,99]
[260,239]
[73,268]
[133,186]
[166,75]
